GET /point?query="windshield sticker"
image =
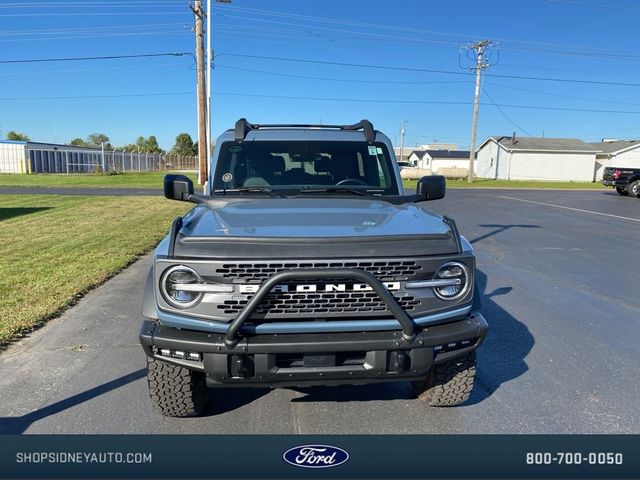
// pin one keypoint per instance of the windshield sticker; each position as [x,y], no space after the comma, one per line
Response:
[235,148]
[227,177]
[379,150]
[372,150]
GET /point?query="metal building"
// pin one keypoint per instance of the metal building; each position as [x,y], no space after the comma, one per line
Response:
[36,157]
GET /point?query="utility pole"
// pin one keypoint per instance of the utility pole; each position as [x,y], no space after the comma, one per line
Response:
[480,48]
[198,13]
[209,70]
[103,162]
[209,57]
[402,128]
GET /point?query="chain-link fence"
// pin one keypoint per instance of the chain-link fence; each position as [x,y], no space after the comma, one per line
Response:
[90,161]
[67,159]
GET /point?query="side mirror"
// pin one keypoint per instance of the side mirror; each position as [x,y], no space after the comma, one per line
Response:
[431,187]
[178,187]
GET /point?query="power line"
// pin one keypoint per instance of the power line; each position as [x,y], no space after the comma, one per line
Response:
[504,114]
[427,70]
[41,73]
[88,4]
[96,14]
[345,64]
[560,95]
[395,28]
[51,31]
[425,102]
[338,21]
[98,35]
[551,69]
[326,99]
[542,46]
[77,97]
[566,80]
[109,57]
[339,30]
[594,5]
[434,136]
[334,79]
[93,32]
[307,31]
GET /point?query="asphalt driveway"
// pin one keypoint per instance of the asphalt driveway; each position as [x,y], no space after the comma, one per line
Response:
[559,272]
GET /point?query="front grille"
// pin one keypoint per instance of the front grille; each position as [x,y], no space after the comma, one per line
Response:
[395,270]
[319,303]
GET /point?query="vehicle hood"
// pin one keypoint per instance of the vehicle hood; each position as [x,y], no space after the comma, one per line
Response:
[283,223]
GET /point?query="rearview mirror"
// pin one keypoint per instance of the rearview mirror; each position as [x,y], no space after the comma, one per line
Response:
[178,187]
[431,187]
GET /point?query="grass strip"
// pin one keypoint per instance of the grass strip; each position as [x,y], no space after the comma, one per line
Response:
[53,249]
[97,180]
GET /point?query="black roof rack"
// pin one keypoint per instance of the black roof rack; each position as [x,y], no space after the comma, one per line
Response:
[243,127]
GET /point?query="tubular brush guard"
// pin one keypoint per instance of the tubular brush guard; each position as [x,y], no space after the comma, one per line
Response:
[408,326]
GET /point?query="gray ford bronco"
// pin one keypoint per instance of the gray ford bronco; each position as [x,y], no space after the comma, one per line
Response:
[305,263]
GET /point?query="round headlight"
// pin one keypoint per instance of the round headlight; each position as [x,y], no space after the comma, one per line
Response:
[459,276]
[175,283]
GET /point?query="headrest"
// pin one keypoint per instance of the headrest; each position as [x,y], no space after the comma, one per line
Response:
[322,165]
[276,163]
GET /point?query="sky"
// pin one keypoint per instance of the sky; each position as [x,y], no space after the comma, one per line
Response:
[558,68]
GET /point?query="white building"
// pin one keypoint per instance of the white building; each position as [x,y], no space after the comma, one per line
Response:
[438,146]
[407,151]
[534,158]
[616,153]
[435,160]
[38,157]
[13,156]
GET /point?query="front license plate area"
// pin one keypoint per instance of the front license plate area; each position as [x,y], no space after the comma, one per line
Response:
[319,360]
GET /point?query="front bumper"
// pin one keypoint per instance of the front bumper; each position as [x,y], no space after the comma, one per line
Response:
[314,358]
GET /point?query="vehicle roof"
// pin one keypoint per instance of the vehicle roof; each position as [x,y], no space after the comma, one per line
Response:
[301,134]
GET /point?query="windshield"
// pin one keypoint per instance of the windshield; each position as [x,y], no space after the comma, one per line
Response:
[324,166]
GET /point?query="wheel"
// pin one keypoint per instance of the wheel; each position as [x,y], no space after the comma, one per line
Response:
[449,383]
[634,188]
[622,191]
[176,391]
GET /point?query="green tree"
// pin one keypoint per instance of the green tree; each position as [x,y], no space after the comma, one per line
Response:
[143,144]
[78,142]
[152,145]
[96,140]
[17,136]
[184,145]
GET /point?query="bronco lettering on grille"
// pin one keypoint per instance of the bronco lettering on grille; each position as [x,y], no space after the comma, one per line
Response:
[327,287]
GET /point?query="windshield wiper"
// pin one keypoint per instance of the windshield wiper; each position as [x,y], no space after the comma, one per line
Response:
[266,191]
[338,189]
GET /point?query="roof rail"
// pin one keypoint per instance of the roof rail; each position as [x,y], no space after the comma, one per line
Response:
[243,127]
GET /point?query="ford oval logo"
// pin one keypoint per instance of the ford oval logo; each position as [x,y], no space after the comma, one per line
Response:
[315,456]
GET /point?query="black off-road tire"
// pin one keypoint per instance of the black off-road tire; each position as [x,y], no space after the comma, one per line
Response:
[176,391]
[622,191]
[634,189]
[449,383]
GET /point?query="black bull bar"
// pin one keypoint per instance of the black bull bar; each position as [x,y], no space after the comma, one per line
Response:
[408,326]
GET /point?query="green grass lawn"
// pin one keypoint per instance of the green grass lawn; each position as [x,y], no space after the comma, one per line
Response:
[154,180]
[122,180]
[481,183]
[55,248]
